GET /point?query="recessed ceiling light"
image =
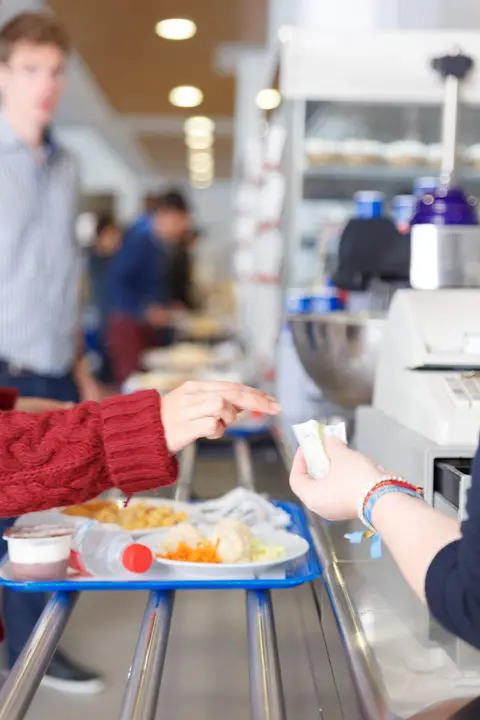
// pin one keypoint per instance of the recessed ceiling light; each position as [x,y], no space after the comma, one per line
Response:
[199,126]
[176,29]
[197,142]
[186,96]
[200,162]
[268,99]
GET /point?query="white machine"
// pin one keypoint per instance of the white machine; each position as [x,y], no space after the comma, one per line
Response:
[430,354]
[425,418]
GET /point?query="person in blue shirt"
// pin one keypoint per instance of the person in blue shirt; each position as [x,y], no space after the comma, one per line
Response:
[138,289]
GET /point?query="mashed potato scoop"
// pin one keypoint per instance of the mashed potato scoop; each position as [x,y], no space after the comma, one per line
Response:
[183,533]
[233,540]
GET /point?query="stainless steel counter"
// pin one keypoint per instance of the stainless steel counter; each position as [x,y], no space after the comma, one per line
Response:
[402,661]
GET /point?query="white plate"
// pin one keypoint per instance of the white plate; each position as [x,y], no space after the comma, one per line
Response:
[175,361]
[295,548]
[192,514]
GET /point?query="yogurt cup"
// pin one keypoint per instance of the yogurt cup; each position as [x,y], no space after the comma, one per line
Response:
[39,552]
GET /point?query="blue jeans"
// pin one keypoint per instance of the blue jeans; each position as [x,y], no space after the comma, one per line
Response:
[22,610]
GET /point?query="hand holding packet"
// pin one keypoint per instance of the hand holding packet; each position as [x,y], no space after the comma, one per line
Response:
[310,437]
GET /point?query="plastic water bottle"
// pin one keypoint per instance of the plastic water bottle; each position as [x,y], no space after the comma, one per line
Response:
[105,552]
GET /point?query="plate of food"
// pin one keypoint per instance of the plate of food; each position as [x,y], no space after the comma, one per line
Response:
[200,326]
[162,382]
[140,517]
[180,357]
[227,548]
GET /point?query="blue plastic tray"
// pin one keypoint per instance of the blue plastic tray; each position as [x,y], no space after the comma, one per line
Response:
[248,428]
[300,572]
[246,431]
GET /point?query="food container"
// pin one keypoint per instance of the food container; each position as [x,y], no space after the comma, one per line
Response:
[434,155]
[39,552]
[405,153]
[473,156]
[363,152]
[323,152]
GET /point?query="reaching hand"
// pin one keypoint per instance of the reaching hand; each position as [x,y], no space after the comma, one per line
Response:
[205,409]
[336,495]
[40,405]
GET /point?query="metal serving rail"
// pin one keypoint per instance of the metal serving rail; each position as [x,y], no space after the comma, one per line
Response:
[362,663]
[145,676]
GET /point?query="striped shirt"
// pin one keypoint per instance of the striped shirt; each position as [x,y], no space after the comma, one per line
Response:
[40,262]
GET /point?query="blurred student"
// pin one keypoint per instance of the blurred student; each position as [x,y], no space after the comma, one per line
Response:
[41,353]
[106,244]
[180,272]
[138,289]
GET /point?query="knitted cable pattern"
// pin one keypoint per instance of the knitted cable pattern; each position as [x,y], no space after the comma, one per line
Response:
[70,456]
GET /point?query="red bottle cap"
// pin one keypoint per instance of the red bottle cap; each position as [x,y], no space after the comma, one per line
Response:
[137,558]
[75,561]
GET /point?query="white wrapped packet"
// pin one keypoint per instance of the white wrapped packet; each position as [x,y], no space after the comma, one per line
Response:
[310,437]
[245,506]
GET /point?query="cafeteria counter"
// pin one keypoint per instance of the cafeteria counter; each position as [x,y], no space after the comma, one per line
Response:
[204,654]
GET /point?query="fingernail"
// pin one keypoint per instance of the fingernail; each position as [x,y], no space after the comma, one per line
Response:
[274,405]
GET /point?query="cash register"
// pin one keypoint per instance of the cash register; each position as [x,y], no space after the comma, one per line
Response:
[424,421]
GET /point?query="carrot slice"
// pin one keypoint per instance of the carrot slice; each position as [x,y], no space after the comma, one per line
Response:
[204,553]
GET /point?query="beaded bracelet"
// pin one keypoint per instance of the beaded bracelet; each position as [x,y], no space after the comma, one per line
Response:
[369,497]
[379,493]
[391,480]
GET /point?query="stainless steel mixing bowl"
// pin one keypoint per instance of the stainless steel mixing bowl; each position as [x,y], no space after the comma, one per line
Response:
[339,351]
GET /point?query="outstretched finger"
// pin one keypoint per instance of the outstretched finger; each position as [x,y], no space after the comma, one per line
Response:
[206,427]
[245,398]
[212,406]
[242,396]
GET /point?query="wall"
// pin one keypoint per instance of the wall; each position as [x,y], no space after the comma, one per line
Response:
[102,170]
[213,211]
[9,8]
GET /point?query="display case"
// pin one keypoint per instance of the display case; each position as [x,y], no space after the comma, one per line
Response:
[350,128]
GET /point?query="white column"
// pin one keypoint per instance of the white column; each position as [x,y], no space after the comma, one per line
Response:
[250,79]
[129,201]
[281,13]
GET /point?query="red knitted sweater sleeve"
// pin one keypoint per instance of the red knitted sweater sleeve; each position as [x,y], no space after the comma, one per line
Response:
[70,456]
